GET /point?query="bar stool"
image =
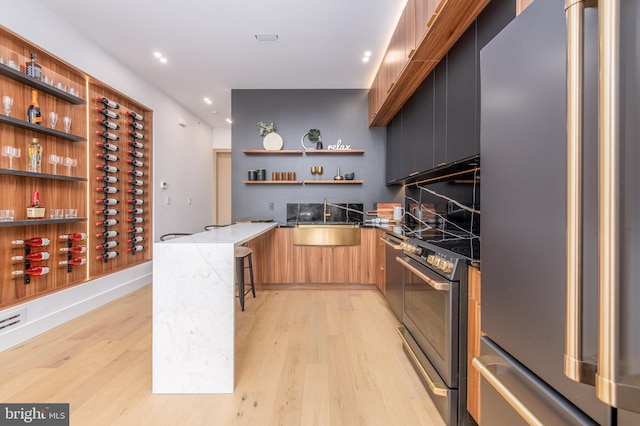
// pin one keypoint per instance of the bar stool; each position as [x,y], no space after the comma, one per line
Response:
[242,253]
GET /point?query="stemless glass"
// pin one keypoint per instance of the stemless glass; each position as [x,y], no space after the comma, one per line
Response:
[7,103]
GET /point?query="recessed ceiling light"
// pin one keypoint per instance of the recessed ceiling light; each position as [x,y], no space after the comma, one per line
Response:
[157,54]
[228,120]
[208,101]
[267,37]
[365,59]
[163,60]
[367,53]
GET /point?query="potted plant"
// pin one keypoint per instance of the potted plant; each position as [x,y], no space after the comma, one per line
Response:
[314,136]
[270,139]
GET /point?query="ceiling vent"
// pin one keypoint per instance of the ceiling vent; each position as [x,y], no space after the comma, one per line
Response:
[267,37]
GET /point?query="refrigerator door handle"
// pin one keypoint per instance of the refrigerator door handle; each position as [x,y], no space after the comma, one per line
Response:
[575,366]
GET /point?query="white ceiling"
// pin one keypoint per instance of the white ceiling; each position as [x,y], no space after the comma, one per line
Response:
[211,47]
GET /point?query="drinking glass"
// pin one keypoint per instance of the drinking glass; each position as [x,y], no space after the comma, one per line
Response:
[70,162]
[55,160]
[6,215]
[53,119]
[56,213]
[71,213]
[314,170]
[11,152]
[7,103]
[66,121]
[320,170]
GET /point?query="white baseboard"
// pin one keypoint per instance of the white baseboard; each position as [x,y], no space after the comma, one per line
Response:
[43,314]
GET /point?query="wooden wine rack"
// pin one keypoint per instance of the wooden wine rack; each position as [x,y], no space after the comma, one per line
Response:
[63,187]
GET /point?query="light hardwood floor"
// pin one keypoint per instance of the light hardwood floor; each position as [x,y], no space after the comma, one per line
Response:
[304,357]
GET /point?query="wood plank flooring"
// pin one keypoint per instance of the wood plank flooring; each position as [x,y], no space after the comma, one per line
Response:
[304,357]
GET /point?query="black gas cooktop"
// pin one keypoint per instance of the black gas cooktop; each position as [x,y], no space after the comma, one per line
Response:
[454,238]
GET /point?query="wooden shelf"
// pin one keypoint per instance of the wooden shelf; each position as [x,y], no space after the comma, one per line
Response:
[7,71]
[41,222]
[334,182]
[40,129]
[14,172]
[273,182]
[267,152]
[334,151]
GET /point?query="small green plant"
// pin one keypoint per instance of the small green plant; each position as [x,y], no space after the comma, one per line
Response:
[314,135]
[265,128]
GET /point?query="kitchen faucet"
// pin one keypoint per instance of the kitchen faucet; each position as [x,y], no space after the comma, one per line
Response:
[324,212]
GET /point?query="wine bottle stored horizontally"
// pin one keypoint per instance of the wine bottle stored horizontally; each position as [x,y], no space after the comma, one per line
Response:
[33,111]
[33,242]
[135,134]
[108,113]
[136,201]
[135,115]
[136,182]
[135,211]
[135,163]
[107,255]
[75,261]
[108,189]
[109,124]
[75,236]
[74,249]
[136,239]
[34,271]
[137,173]
[111,136]
[107,168]
[108,212]
[107,157]
[35,210]
[107,245]
[108,179]
[135,191]
[136,230]
[108,201]
[107,234]
[135,249]
[107,145]
[135,144]
[108,102]
[135,220]
[108,222]
[136,154]
[33,257]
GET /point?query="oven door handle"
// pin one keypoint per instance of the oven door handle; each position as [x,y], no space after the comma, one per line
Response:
[436,388]
[438,285]
[390,244]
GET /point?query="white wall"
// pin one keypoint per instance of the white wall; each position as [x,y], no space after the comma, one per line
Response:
[221,138]
[181,157]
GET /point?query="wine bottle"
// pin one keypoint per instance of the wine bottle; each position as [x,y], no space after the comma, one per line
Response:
[74,249]
[34,156]
[34,271]
[33,242]
[136,154]
[108,212]
[108,135]
[33,69]
[75,261]
[136,163]
[136,202]
[107,145]
[108,113]
[138,173]
[135,134]
[135,125]
[136,230]
[136,191]
[135,249]
[108,189]
[35,210]
[136,239]
[135,211]
[108,179]
[107,245]
[108,102]
[33,112]
[135,144]
[108,222]
[75,236]
[107,255]
[108,157]
[108,201]
[135,115]
[136,182]
[106,168]
[109,124]
[33,257]
[135,220]
[107,234]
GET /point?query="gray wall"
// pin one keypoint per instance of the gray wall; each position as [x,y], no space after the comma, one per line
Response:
[339,114]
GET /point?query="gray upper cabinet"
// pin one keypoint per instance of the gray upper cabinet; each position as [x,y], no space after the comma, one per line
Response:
[394,149]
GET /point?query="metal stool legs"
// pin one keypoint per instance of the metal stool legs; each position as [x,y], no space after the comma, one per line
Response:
[240,267]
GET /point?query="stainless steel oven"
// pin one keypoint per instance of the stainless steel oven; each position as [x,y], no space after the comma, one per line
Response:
[435,324]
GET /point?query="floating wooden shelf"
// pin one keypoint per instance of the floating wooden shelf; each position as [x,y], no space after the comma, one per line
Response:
[332,182]
[41,222]
[40,129]
[267,152]
[14,172]
[273,182]
[334,151]
[7,71]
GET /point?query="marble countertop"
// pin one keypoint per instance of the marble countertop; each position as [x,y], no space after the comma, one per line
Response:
[233,234]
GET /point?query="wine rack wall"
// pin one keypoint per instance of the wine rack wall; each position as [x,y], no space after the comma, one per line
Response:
[69,177]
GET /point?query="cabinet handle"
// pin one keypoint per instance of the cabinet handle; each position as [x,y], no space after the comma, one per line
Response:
[390,244]
[437,285]
[437,388]
[410,55]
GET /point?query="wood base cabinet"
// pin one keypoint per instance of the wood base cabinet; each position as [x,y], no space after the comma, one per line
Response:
[473,348]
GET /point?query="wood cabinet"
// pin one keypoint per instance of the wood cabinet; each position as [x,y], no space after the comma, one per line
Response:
[473,342]
[71,184]
[278,261]
[381,260]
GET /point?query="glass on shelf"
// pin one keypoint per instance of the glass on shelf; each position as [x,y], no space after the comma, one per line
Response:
[70,213]
[11,152]
[70,162]
[55,160]
[6,215]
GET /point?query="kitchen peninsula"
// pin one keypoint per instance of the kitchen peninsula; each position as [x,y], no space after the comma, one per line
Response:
[193,310]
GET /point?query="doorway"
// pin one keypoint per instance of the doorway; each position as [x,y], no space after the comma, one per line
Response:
[222,186]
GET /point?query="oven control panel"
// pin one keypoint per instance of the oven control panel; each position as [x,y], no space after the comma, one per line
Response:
[440,262]
[436,260]
[411,248]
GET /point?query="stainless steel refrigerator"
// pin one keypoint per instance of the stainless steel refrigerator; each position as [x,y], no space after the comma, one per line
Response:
[560,148]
